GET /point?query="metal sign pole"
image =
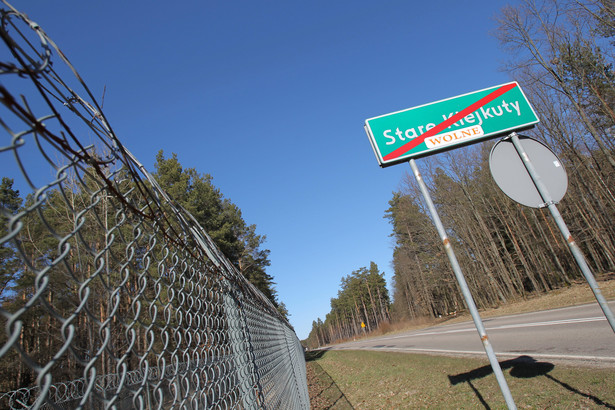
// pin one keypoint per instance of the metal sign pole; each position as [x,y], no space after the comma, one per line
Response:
[465,290]
[574,248]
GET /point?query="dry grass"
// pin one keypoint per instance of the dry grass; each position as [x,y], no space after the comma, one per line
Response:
[402,326]
[577,294]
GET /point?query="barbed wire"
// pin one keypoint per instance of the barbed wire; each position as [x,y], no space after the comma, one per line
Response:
[106,281]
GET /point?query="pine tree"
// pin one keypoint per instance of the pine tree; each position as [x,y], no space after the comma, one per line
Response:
[362,298]
[220,218]
[10,264]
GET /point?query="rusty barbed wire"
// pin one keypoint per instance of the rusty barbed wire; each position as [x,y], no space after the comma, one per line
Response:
[112,295]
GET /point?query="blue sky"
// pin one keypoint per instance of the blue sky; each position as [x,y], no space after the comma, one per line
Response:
[270,98]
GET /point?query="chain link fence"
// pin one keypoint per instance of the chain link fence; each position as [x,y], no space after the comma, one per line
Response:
[112,295]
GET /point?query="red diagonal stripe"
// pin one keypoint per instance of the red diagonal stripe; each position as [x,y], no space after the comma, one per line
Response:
[449,121]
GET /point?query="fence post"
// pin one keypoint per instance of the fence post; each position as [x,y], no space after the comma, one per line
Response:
[240,352]
[297,365]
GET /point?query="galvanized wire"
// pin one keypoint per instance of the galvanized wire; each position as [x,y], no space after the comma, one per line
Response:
[112,295]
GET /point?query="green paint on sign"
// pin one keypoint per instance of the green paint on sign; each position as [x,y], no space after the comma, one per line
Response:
[451,123]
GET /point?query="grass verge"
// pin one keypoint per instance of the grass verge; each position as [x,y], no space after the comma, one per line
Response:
[324,392]
[381,380]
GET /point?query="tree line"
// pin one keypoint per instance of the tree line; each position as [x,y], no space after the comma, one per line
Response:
[75,246]
[561,52]
[362,305]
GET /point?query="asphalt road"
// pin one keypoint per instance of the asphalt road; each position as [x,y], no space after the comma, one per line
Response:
[579,333]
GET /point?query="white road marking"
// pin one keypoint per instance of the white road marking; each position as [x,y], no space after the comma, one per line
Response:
[514,326]
[482,352]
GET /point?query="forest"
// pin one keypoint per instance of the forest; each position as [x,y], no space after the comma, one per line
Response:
[362,305]
[74,247]
[562,54]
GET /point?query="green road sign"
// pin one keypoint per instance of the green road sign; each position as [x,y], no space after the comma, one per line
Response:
[451,123]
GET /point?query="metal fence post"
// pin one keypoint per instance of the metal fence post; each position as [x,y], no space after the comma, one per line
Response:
[240,353]
[297,367]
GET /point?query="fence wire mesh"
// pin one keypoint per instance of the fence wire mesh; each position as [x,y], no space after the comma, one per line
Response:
[112,295]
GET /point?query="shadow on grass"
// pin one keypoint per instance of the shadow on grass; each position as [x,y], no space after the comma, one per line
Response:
[324,392]
[523,367]
[314,355]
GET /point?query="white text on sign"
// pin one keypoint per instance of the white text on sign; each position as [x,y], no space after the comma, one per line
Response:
[479,116]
